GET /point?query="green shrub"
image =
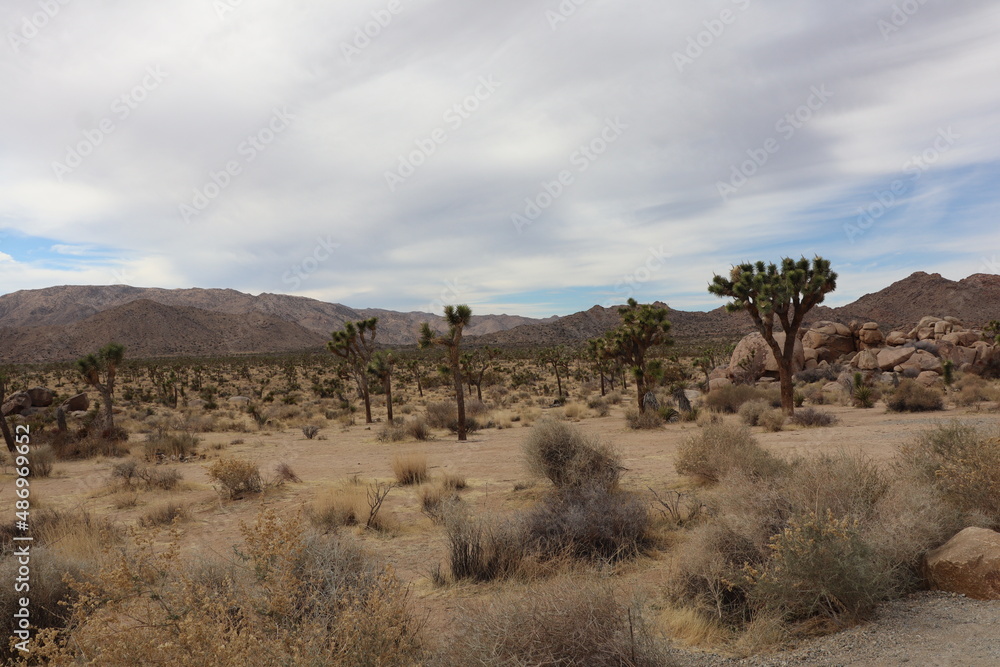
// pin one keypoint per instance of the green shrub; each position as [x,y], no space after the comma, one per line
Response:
[911,396]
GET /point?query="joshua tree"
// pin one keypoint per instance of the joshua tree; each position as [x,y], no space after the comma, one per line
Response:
[788,293]
[643,326]
[557,358]
[475,365]
[457,318]
[416,369]
[99,370]
[355,344]
[381,367]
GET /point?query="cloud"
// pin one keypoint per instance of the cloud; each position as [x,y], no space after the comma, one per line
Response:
[124,115]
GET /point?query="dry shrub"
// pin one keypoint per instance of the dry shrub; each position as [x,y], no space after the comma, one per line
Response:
[572,411]
[410,468]
[728,399]
[346,505]
[88,447]
[417,429]
[614,398]
[284,473]
[237,476]
[962,463]
[772,420]
[589,522]
[721,448]
[392,433]
[319,599]
[41,461]
[473,408]
[436,499]
[599,405]
[164,514]
[130,475]
[751,411]
[480,549]
[439,415]
[454,481]
[562,622]
[911,396]
[650,419]
[813,417]
[176,446]
[569,458]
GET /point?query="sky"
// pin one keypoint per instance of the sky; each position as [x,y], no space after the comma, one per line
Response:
[523,157]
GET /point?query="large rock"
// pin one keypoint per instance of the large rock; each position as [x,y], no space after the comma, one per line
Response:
[922,360]
[866,360]
[78,403]
[890,357]
[718,383]
[956,354]
[929,379]
[896,338]
[869,336]
[963,338]
[41,397]
[942,327]
[16,404]
[968,563]
[754,344]
[831,340]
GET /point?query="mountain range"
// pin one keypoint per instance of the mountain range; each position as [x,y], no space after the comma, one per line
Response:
[66,322]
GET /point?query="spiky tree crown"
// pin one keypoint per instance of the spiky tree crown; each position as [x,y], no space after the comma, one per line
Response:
[766,290]
[457,318]
[643,326]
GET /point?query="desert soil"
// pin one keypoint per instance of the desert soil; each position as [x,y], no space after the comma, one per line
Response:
[924,629]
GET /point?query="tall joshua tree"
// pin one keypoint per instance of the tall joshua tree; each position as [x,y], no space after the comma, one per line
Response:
[381,367]
[788,293]
[99,370]
[643,326]
[457,318]
[558,359]
[355,344]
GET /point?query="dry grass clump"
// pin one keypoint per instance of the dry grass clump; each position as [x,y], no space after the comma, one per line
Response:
[439,415]
[164,515]
[318,598]
[751,411]
[41,460]
[962,463]
[237,476]
[772,421]
[613,398]
[572,410]
[392,433]
[813,417]
[417,428]
[911,396]
[284,473]
[972,389]
[650,419]
[412,429]
[721,448]
[410,468]
[599,405]
[562,622]
[352,503]
[569,458]
[175,447]
[436,500]
[130,475]
[590,523]
[451,480]
[728,399]
[482,550]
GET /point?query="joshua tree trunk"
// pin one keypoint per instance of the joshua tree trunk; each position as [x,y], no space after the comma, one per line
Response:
[459,394]
[387,385]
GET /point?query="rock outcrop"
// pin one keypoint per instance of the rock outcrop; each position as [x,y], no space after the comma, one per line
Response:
[968,563]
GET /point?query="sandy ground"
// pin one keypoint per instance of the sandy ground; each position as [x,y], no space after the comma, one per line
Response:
[491,461]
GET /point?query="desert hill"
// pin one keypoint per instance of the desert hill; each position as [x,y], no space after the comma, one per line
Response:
[151,329]
[59,323]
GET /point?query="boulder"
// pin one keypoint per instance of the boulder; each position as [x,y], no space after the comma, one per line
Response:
[929,379]
[869,336]
[956,354]
[963,338]
[78,403]
[41,397]
[896,338]
[866,360]
[754,343]
[922,360]
[942,327]
[954,320]
[831,340]
[16,404]
[925,333]
[968,563]
[890,357]
[834,387]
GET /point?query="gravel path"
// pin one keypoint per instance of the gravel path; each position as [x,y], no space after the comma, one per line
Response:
[924,629]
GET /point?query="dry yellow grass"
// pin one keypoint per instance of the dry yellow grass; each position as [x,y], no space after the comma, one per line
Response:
[410,468]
